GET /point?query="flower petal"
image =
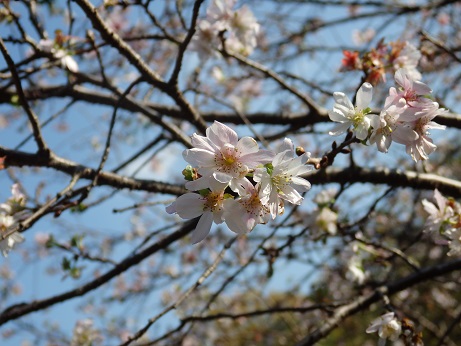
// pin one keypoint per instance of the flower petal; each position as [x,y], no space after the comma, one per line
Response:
[364,96]
[203,228]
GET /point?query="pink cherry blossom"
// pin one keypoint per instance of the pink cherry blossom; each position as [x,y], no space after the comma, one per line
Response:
[244,213]
[223,157]
[423,146]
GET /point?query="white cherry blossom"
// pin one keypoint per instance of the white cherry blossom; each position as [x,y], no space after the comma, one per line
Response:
[387,127]
[67,61]
[6,223]
[346,114]
[387,326]
[280,179]
[409,58]
[439,213]
[209,207]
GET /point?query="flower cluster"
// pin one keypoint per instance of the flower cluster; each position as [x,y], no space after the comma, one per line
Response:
[405,118]
[238,183]
[444,218]
[238,28]
[387,326]
[10,213]
[382,59]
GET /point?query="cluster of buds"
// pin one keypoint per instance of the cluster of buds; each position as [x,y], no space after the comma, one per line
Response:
[382,59]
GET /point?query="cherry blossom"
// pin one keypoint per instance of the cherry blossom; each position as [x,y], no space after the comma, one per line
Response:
[280,179]
[208,206]
[423,146]
[454,244]
[206,40]
[15,203]
[412,91]
[239,29]
[386,127]
[324,220]
[244,213]
[7,244]
[408,58]
[59,53]
[387,326]
[223,157]
[347,115]
[438,214]
[444,218]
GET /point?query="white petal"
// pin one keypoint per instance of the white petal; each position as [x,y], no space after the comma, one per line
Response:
[260,157]
[364,96]
[421,89]
[221,134]
[291,195]
[247,145]
[189,205]
[70,63]
[336,115]
[339,129]
[199,184]
[202,142]
[199,157]
[343,100]
[301,184]
[203,228]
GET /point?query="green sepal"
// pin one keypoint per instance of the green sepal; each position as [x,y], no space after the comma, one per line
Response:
[188,173]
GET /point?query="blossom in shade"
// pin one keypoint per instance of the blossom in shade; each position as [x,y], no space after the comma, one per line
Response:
[85,334]
[445,219]
[387,326]
[324,220]
[346,114]
[454,244]
[439,213]
[280,180]
[206,40]
[355,271]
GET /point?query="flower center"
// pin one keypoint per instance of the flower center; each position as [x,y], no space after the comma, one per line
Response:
[213,201]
